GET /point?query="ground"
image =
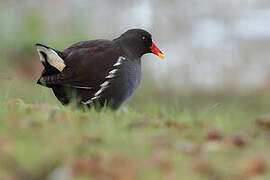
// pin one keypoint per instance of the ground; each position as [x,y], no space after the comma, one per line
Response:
[155,135]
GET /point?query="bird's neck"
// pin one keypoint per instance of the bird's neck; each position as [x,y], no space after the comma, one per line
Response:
[129,48]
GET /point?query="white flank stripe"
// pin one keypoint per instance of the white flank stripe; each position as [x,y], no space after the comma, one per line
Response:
[99,92]
[119,61]
[81,87]
[106,83]
[110,76]
[117,64]
[113,71]
[87,102]
[103,87]
[96,97]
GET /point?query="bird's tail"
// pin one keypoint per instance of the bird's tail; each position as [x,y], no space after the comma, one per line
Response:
[52,61]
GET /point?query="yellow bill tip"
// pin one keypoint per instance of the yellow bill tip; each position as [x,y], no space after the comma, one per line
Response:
[161,55]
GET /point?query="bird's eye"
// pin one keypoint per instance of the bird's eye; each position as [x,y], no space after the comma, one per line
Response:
[143,38]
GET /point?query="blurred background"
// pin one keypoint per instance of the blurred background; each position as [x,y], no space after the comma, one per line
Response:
[210,46]
[201,113]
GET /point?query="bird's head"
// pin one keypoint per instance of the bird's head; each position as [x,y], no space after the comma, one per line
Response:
[140,42]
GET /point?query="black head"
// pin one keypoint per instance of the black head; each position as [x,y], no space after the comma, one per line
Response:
[139,42]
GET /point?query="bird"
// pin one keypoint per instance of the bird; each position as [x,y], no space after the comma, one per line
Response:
[96,73]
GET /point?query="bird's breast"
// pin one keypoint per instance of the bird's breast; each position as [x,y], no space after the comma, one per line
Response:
[127,81]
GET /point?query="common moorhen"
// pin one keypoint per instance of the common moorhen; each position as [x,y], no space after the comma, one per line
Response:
[97,73]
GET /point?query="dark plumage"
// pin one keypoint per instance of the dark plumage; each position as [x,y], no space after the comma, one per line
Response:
[97,72]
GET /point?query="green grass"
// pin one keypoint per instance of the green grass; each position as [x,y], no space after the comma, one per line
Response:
[150,138]
[155,135]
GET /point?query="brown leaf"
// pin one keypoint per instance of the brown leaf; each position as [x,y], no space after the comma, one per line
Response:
[213,134]
[14,121]
[264,121]
[36,124]
[203,166]
[100,168]
[161,160]
[255,166]
[139,124]
[237,140]
[175,124]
